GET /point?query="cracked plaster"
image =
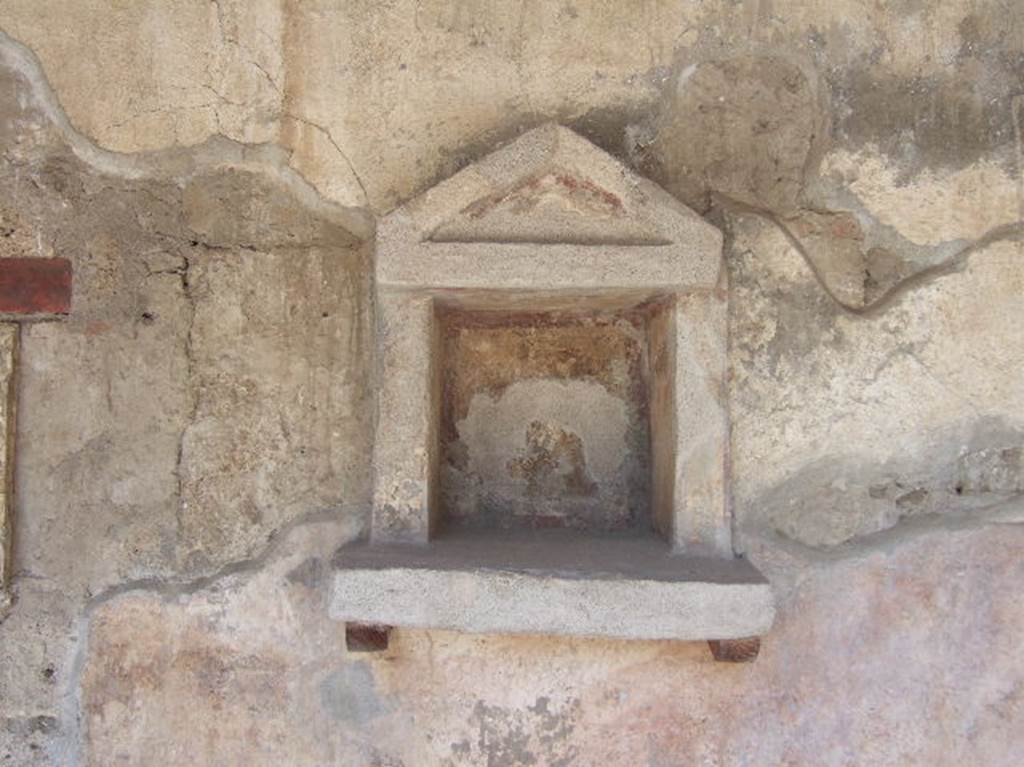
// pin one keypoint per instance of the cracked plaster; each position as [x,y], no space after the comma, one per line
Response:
[862,420]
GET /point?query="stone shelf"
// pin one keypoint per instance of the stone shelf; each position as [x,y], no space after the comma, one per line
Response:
[551,582]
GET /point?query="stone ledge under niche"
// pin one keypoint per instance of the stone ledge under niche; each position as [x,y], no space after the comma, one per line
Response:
[551,582]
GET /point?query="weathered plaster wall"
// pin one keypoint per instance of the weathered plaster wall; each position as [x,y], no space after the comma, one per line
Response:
[193,441]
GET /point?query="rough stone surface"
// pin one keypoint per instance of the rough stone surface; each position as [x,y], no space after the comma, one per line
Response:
[405,454]
[278,368]
[864,161]
[566,584]
[699,408]
[764,104]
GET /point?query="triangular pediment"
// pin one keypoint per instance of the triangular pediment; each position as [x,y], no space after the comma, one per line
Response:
[547,201]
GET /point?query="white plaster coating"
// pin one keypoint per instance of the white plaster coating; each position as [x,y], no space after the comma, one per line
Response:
[932,208]
[496,436]
[581,407]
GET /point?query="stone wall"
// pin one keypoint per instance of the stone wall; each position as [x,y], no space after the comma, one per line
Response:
[193,439]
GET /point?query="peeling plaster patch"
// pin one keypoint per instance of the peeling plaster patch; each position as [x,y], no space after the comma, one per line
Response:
[309,574]
[536,735]
[836,384]
[350,694]
[933,208]
[606,444]
[992,470]
[505,438]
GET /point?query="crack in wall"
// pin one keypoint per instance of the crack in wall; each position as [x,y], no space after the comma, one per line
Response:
[1016,109]
[73,742]
[184,163]
[271,159]
[193,393]
[179,163]
[1008,511]
[330,137]
[1010,232]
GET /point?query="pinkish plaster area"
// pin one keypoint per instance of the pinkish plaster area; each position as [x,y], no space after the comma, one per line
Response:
[866,665]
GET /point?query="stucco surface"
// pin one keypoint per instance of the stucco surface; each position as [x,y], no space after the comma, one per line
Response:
[193,442]
[902,654]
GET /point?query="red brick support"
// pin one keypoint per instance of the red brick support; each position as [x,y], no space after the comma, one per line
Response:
[364,637]
[735,650]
